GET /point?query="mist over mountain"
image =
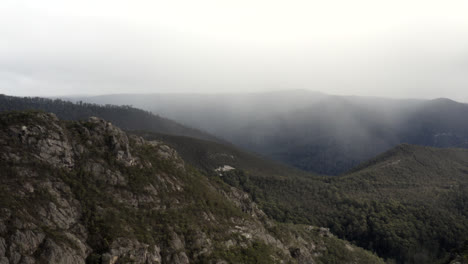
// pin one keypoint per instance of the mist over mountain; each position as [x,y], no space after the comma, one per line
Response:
[312,131]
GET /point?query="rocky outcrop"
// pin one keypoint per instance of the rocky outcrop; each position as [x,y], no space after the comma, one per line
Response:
[86,192]
[46,140]
[131,251]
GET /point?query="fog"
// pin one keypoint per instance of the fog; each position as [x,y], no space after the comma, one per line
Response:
[313,131]
[402,49]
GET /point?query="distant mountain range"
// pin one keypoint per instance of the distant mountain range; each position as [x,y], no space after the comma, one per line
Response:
[312,131]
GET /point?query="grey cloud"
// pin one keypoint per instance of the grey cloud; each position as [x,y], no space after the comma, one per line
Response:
[91,50]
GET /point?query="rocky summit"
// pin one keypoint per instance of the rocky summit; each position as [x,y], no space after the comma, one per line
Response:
[87,192]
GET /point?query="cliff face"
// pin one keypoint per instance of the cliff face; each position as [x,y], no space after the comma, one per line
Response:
[86,192]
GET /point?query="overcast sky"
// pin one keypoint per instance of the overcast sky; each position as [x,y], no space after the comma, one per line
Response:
[399,48]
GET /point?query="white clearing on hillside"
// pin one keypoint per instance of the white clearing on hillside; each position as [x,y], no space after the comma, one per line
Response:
[224,168]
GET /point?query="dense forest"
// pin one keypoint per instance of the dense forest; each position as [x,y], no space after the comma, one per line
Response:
[409,205]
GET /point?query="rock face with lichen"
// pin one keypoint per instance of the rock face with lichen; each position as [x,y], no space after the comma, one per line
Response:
[87,192]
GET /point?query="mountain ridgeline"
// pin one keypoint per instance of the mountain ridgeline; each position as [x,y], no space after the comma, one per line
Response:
[87,192]
[126,117]
[316,132]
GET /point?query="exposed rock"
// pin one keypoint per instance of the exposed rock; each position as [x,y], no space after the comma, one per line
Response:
[243,201]
[87,192]
[224,168]
[115,138]
[49,141]
[51,252]
[178,258]
[124,249]
[3,247]
[26,242]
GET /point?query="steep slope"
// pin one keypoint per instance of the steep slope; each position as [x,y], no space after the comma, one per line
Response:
[210,156]
[409,204]
[86,192]
[320,133]
[413,196]
[126,117]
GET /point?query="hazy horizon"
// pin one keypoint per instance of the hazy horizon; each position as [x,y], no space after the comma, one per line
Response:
[398,49]
[79,96]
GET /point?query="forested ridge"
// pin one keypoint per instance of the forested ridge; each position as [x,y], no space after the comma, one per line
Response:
[409,205]
[126,116]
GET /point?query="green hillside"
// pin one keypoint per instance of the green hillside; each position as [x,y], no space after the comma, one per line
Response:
[87,192]
[209,155]
[410,204]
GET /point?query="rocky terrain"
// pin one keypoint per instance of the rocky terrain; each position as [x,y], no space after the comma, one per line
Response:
[87,192]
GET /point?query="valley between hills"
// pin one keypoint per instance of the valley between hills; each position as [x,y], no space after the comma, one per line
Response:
[114,184]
